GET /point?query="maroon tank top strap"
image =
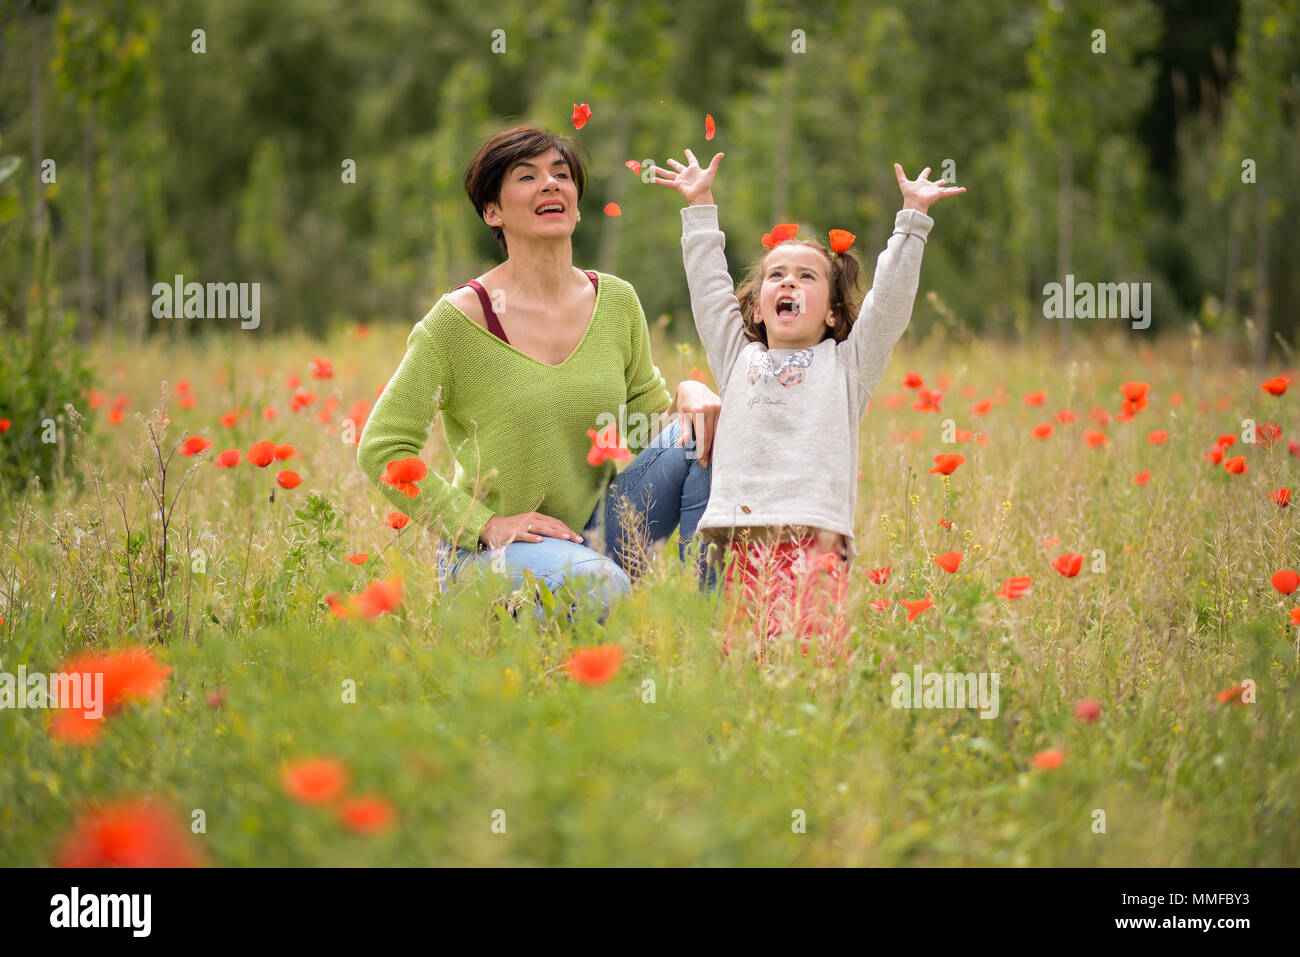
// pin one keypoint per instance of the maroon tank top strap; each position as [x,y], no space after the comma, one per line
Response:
[592,276]
[493,323]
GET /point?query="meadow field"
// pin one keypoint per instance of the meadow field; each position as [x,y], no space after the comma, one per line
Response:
[1146,709]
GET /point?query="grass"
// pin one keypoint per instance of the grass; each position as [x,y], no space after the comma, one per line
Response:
[686,756]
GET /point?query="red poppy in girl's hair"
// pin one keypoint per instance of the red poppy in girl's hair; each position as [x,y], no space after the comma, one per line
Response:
[1068,564]
[130,833]
[780,233]
[946,464]
[1014,587]
[581,114]
[841,240]
[194,445]
[1285,581]
[261,454]
[1275,386]
[594,666]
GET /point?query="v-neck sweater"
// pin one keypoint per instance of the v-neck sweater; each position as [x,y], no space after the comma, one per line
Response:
[517,426]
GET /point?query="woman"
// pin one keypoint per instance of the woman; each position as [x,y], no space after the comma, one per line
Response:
[522,362]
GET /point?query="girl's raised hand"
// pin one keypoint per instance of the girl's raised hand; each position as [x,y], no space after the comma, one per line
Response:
[919,193]
[691,181]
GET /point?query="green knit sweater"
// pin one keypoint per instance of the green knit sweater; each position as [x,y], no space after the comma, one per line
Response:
[517,426]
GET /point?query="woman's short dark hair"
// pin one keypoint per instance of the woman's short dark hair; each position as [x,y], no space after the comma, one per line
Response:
[496,157]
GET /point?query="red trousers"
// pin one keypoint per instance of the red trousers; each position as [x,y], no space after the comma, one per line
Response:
[780,587]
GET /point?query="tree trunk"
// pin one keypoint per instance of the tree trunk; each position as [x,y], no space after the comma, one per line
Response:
[87,222]
[1262,322]
[784,134]
[1064,237]
[38,145]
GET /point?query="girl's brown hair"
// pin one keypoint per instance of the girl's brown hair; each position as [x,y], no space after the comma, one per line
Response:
[498,155]
[845,275]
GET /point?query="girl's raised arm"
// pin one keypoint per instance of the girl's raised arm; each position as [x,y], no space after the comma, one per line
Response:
[713,294]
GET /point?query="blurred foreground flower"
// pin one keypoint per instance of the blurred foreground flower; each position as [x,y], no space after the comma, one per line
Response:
[594,666]
[131,833]
[315,781]
[1048,760]
[128,675]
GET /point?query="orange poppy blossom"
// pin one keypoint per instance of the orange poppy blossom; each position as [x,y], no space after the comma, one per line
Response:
[396,520]
[581,114]
[927,400]
[594,666]
[878,576]
[1042,430]
[360,558]
[879,604]
[912,380]
[288,479]
[841,240]
[1232,694]
[366,814]
[402,474]
[1142,478]
[1268,433]
[1035,398]
[1048,760]
[779,234]
[605,446]
[1285,581]
[1282,496]
[946,464]
[314,781]
[283,452]
[1014,587]
[138,832]
[1237,465]
[322,369]
[1294,614]
[1275,385]
[1066,417]
[949,562]
[634,166]
[1068,564]
[128,674]
[228,459]
[1089,709]
[915,608]
[1157,436]
[710,127]
[613,209]
[1095,439]
[261,454]
[982,407]
[194,445]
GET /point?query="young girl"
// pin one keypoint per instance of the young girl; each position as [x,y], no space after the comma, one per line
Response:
[795,362]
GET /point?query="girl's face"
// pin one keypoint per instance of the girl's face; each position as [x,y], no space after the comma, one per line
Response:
[794,299]
[539,200]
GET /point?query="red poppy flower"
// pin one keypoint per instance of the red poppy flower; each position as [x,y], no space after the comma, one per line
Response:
[982,407]
[187,401]
[1094,438]
[300,400]
[878,576]
[1042,430]
[605,446]
[322,369]
[581,114]
[1294,613]
[1237,465]
[1215,455]
[841,240]
[217,697]
[1282,496]
[915,608]
[879,604]
[367,814]
[1268,433]
[396,520]
[1089,709]
[194,445]
[1014,587]
[129,674]
[229,419]
[709,126]
[293,381]
[359,558]
[314,781]
[228,459]
[1157,436]
[1285,581]
[611,209]
[381,597]
[1035,398]
[1068,564]
[634,166]
[594,666]
[269,413]
[289,479]
[1048,760]
[946,464]
[4,426]
[1142,478]
[1232,694]
[283,452]
[1066,416]
[1226,440]
[261,454]
[912,380]
[1135,391]
[780,233]
[128,833]
[949,561]
[402,474]
[1274,386]
[341,608]
[947,523]
[1049,542]
[927,400]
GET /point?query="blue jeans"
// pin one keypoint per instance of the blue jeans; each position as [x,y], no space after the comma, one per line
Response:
[665,487]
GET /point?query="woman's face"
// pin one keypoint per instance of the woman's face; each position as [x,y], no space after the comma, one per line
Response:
[539,200]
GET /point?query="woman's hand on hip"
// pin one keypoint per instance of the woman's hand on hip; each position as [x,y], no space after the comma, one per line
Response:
[503,530]
[698,408]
